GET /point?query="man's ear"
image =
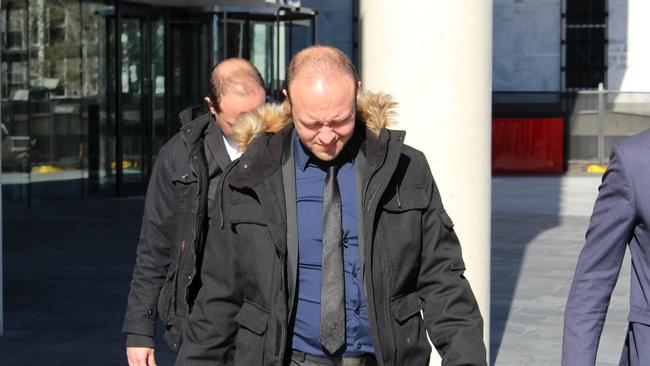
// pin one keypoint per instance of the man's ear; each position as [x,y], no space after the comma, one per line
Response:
[285,93]
[208,102]
[359,85]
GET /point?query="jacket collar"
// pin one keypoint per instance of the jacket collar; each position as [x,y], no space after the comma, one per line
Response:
[188,115]
[193,130]
[262,135]
[262,158]
[374,110]
[215,143]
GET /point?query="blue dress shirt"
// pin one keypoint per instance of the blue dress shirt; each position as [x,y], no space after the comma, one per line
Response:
[310,178]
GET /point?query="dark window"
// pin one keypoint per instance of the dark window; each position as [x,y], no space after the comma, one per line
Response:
[585,41]
[57,36]
[586,12]
[14,39]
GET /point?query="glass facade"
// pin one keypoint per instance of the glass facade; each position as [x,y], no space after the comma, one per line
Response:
[90,89]
[51,77]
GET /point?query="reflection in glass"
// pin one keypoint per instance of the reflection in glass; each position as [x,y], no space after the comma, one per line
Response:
[97,85]
[235,40]
[66,93]
[261,48]
[158,78]
[133,39]
[190,58]
[51,78]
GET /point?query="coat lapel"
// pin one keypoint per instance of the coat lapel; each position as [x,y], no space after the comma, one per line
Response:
[217,148]
[289,180]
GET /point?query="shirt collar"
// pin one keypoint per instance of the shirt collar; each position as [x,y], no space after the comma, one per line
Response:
[304,157]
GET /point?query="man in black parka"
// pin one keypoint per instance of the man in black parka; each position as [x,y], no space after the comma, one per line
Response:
[269,276]
[181,190]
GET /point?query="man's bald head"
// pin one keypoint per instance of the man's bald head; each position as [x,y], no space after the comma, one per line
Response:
[234,75]
[319,62]
[236,87]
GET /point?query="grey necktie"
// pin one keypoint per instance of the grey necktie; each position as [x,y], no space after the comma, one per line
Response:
[332,292]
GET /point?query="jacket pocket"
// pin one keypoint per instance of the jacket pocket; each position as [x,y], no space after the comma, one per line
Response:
[446,220]
[165,298]
[406,200]
[639,315]
[186,187]
[249,345]
[404,307]
[400,226]
[173,335]
[247,213]
[413,347]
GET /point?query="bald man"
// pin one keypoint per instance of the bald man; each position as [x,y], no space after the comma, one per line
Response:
[334,247]
[180,193]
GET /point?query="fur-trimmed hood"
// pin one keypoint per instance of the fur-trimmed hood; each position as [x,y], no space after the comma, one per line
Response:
[375,110]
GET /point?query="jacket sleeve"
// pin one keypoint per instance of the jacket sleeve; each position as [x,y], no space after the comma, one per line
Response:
[451,314]
[610,230]
[153,252]
[210,331]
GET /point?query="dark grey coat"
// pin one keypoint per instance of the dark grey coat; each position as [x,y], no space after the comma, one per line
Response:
[620,219]
[411,259]
[173,230]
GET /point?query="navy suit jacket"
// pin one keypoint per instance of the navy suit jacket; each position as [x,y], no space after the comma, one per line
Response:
[620,218]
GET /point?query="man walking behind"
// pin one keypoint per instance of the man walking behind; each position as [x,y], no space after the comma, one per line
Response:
[181,191]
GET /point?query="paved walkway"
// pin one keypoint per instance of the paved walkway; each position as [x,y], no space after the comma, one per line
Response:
[68,266]
[538,227]
[67,273]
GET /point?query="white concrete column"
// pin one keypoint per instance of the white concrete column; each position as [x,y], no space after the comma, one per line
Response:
[435,57]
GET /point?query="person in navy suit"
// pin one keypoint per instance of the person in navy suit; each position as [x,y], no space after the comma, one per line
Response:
[620,218]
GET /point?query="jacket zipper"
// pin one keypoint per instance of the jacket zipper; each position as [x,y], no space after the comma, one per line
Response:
[285,316]
[196,237]
[391,335]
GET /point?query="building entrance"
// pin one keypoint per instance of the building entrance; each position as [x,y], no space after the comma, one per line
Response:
[91,90]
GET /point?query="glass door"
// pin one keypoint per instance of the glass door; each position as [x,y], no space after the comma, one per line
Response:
[135,62]
[190,59]
[133,90]
[268,38]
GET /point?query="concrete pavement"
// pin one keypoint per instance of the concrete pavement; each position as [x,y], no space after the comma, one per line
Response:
[67,271]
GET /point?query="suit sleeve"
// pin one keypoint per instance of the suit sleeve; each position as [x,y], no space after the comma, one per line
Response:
[610,230]
[210,331]
[153,253]
[451,313]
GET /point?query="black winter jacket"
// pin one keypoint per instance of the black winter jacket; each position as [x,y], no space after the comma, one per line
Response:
[412,262]
[173,230]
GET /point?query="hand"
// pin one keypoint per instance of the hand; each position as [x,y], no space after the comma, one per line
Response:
[140,356]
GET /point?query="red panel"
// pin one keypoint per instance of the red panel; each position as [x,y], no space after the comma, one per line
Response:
[527,145]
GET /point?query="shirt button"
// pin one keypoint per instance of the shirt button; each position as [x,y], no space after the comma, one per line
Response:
[358,346]
[345,241]
[354,274]
[357,311]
